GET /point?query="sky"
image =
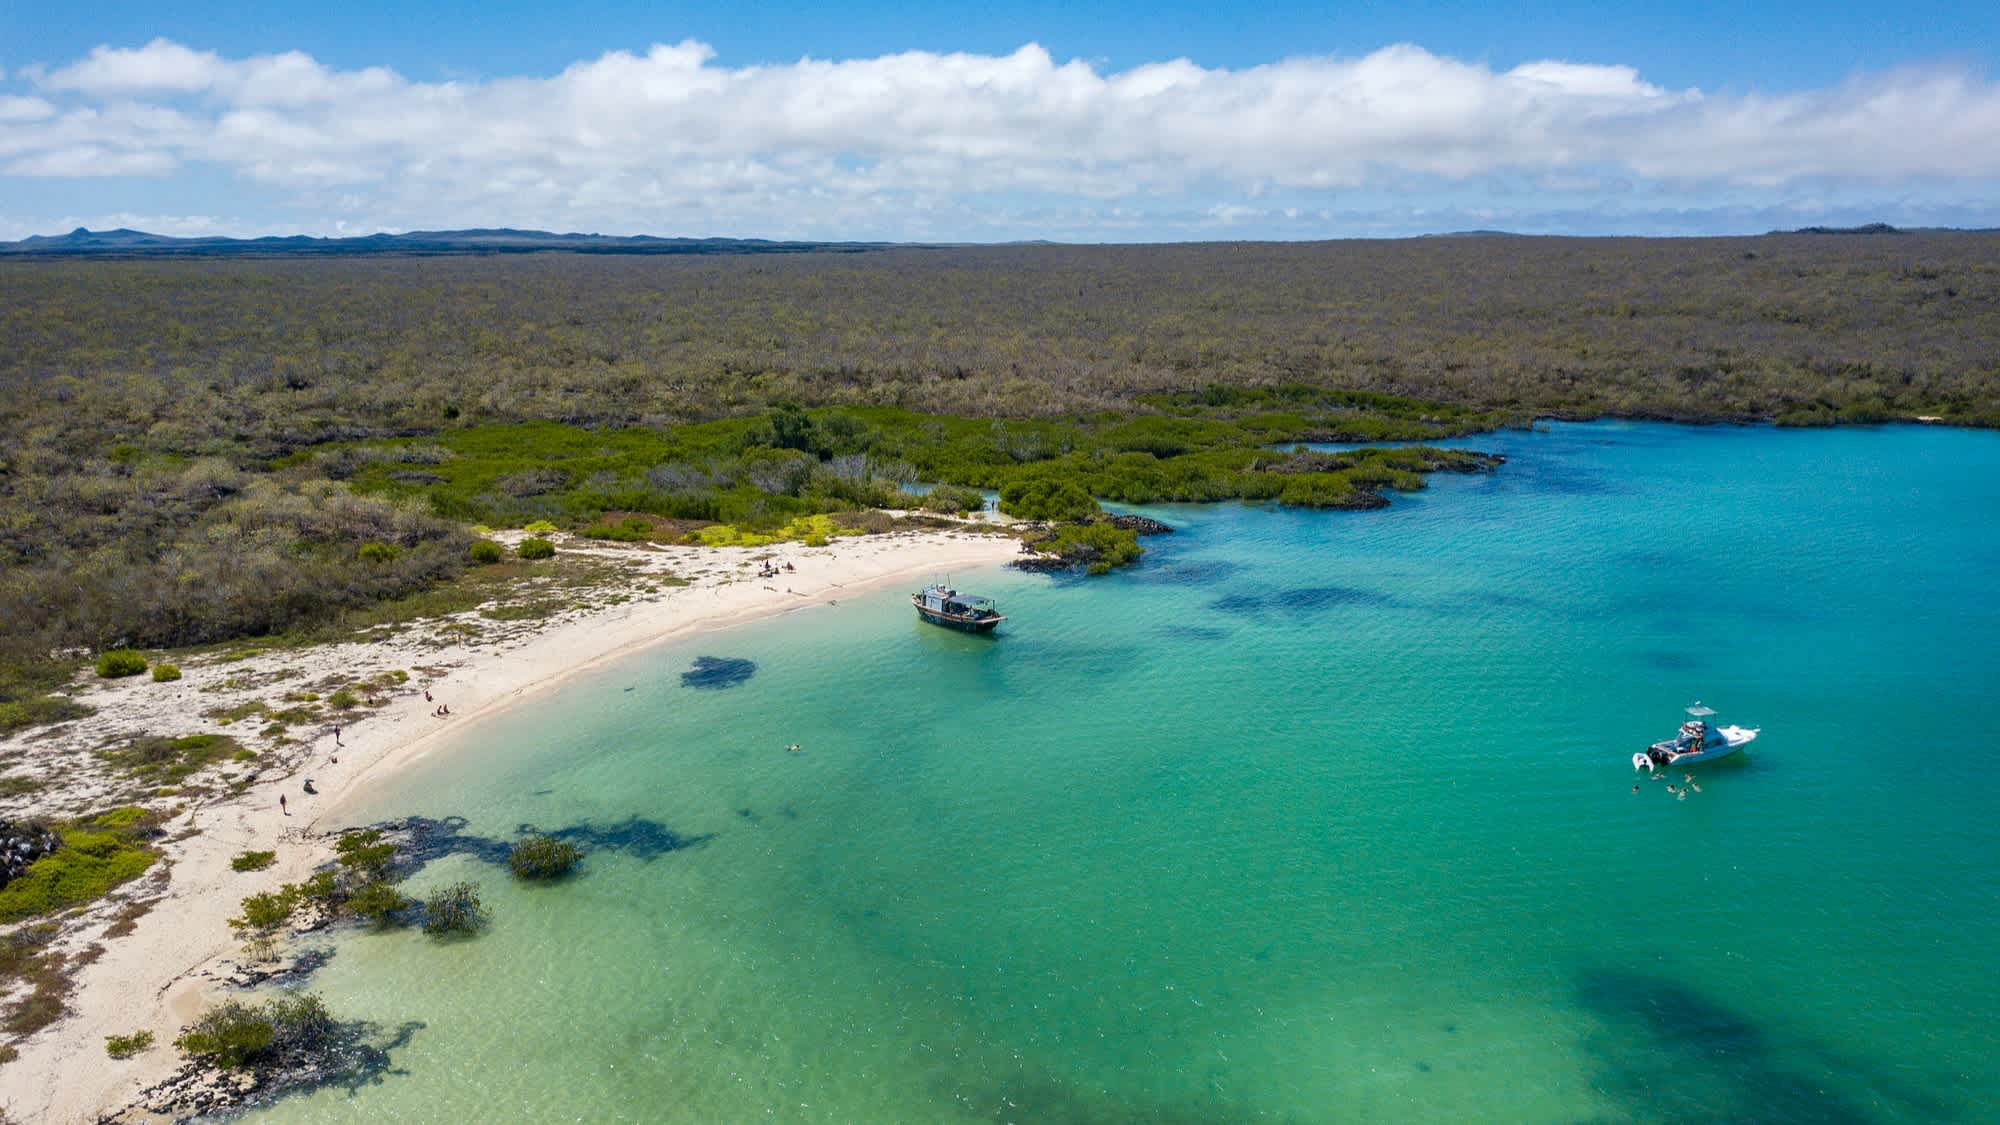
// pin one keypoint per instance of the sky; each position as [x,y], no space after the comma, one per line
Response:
[1101,122]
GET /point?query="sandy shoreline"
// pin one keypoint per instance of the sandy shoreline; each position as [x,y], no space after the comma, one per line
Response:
[162,974]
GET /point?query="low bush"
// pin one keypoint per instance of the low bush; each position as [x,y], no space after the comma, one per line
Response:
[253,861]
[1095,546]
[125,1046]
[39,710]
[168,761]
[378,552]
[485,552]
[267,910]
[165,673]
[95,856]
[454,911]
[540,527]
[543,857]
[120,662]
[536,549]
[364,854]
[632,529]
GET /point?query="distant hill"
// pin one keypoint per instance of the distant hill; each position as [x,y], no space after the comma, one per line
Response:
[1868,228]
[133,243]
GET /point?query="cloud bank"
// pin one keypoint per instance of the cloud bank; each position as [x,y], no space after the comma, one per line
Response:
[921,143]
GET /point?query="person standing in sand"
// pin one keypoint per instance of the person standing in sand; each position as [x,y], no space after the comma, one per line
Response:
[281,805]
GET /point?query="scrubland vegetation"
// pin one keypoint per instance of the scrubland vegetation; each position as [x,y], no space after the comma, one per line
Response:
[204,450]
[97,854]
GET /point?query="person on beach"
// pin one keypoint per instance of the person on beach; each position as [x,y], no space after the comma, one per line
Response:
[281,805]
[309,786]
[336,734]
[427,696]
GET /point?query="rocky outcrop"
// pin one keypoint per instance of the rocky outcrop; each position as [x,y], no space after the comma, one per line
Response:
[22,842]
[1144,525]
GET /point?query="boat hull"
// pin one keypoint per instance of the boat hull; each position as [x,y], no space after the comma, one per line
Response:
[1727,741]
[962,624]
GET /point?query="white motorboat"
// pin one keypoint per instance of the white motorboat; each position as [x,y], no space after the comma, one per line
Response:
[1699,740]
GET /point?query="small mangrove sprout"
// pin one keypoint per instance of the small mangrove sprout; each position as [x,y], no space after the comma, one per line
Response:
[454,911]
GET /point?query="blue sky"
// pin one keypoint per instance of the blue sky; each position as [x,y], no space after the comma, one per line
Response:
[1115,123]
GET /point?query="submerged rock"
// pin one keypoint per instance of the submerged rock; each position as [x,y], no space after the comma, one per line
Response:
[718,672]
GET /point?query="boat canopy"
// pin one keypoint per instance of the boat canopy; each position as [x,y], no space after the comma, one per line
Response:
[1700,712]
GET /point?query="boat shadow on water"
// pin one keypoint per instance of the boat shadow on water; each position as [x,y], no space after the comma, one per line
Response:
[1671,1053]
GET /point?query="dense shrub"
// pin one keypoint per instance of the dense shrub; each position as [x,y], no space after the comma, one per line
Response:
[536,548]
[485,552]
[952,499]
[543,857]
[377,552]
[1096,546]
[166,673]
[234,1032]
[1046,498]
[454,911]
[120,662]
[96,855]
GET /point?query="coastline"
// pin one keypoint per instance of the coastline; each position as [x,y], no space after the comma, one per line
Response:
[159,976]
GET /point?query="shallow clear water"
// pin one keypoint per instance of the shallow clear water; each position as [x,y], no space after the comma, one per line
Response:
[1316,816]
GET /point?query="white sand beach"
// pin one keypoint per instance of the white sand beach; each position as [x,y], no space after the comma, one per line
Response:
[162,974]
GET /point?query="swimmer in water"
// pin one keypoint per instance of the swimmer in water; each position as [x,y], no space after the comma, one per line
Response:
[1693,786]
[1671,789]
[795,748]
[1635,787]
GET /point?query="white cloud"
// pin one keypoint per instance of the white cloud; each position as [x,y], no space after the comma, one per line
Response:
[24,109]
[669,138]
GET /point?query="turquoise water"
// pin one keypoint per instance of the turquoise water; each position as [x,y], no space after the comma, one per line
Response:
[1314,817]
